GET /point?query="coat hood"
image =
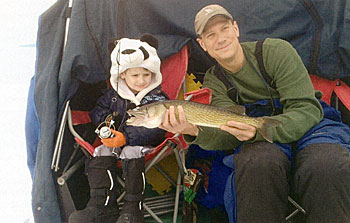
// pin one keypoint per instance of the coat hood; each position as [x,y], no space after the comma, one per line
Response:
[131,53]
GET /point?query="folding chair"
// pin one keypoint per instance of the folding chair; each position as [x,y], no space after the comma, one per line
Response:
[335,93]
[174,70]
[164,149]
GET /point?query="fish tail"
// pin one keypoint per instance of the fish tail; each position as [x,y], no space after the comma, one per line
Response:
[265,129]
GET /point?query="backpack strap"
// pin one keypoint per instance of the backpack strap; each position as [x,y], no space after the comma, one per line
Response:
[267,80]
[231,87]
[259,57]
[232,92]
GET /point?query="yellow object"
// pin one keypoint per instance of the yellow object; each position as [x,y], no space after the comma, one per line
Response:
[169,164]
[157,180]
[191,85]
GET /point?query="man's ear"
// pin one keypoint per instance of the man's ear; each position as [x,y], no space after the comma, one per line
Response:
[201,43]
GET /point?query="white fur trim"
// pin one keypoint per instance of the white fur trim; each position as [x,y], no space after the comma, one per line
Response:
[131,60]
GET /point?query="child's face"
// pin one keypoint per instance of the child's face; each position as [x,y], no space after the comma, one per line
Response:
[137,78]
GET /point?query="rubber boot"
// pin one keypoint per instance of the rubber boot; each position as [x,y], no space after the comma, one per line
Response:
[102,206]
[134,174]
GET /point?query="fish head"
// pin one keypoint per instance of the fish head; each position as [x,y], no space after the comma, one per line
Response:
[149,116]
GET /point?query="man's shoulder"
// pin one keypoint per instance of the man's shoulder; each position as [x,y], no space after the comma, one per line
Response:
[268,42]
[276,42]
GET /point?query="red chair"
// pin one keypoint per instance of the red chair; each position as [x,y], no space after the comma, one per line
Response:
[174,71]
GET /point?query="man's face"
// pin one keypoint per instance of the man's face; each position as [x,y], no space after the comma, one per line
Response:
[137,78]
[220,39]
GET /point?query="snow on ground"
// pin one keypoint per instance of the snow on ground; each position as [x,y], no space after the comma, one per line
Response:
[15,181]
[18,20]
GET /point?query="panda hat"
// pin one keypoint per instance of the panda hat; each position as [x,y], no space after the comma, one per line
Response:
[131,53]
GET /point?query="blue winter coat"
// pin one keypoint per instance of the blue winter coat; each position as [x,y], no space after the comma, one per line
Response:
[111,102]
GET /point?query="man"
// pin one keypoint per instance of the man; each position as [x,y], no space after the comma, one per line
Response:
[320,179]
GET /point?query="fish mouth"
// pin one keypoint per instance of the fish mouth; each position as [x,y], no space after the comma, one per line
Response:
[136,117]
[136,112]
[135,120]
[131,120]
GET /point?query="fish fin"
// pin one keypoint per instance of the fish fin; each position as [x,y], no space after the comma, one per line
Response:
[238,109]
[264,130]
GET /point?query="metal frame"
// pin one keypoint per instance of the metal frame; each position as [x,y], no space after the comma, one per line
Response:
[152,206]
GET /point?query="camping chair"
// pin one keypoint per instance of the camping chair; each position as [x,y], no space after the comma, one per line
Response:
[164,149]
[337,90]
[173,69]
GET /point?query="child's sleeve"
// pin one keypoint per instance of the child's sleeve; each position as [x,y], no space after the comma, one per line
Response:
[143,136]
[102,109]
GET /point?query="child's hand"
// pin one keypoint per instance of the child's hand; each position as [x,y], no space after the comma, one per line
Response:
[117,141]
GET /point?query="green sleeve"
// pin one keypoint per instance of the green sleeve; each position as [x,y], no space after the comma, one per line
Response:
[301,108]
[213,139]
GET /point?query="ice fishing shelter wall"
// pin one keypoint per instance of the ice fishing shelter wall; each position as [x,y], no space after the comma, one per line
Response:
[318,29]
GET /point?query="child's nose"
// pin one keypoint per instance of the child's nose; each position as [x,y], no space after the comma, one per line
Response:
[141,80]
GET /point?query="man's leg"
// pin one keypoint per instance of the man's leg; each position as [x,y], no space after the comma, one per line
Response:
[322,183]
[261,178]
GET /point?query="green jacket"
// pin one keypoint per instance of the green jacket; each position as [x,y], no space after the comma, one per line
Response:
[293,88]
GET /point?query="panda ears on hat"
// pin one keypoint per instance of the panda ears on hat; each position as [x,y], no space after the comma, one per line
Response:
[148,38]
[112,43]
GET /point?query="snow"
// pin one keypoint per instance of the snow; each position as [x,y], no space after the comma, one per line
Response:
[18,21]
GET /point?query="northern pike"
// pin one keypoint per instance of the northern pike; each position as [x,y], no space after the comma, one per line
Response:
[151,116]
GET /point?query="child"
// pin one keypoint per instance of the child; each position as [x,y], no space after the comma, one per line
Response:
[136,79]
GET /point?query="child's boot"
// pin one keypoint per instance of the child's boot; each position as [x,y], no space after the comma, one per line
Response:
[134,174]
[102,206]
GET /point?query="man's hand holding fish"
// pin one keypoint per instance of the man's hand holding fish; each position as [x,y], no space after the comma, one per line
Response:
[241,131]
[171,124]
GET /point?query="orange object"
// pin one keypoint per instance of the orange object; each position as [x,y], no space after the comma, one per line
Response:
[117,141]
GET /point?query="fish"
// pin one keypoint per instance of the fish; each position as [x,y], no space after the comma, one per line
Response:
[151,116]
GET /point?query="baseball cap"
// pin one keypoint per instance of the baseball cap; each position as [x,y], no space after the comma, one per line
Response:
[206,13]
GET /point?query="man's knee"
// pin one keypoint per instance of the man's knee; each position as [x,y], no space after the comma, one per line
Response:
[325,161]
[262,157]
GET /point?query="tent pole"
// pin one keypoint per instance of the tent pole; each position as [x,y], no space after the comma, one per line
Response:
[57,150]
[68,15]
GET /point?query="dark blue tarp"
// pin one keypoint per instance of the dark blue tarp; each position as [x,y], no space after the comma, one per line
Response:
[318,29]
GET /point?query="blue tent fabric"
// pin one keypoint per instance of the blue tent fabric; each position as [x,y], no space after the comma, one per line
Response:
[32,129]
[291,21]
[86,58]
[49,48]
[319,30]
[56,74]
